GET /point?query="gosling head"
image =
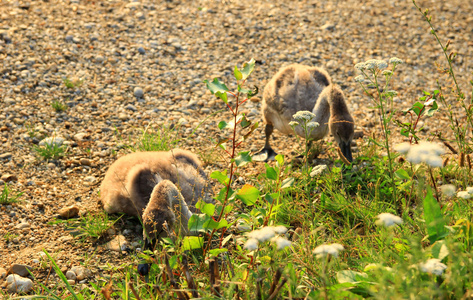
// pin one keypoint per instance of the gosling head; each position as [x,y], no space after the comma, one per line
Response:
[341,122]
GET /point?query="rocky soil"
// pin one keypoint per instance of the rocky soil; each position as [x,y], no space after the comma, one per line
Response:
[133,64]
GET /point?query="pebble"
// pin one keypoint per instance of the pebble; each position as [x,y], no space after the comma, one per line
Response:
[81,272]
[7,155]
[20,269]
[71,275]
[18,284]
[3,273]
[8,177]
[141,50]
[22,226]
[81,136]
[138,92]
[85,162]
[69,211]
[118,244]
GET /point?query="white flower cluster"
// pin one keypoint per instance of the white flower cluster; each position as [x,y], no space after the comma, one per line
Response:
[448,189]
[311,126]
[433,266]
[303,116]
[328,249]
[396,61]
[264,234]
[372,65]
[360,78]
[466,194]
[387,73]
[426,152]
[388,220]
[293,123]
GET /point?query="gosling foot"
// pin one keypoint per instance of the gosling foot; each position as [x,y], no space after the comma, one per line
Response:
[266,154]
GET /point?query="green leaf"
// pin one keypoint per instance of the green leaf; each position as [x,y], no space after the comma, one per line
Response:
[192,242]
[243,158]
[216,252]
[255,125]
[351,276]
[248,68]
[212,224]
[288,182]
[208,209]
[221,194]
[280,160]
[222,96]
[228,209]
[248,194]
[244,122]
[405,132]
[197,221]
[220,176]
[417,108]
[216,86]
[222,125]
[433,218]
[440,250]
[237,73]
[402,174]
[271,172]
[433,109]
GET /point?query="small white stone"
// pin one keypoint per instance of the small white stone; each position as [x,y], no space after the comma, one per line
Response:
[18,284]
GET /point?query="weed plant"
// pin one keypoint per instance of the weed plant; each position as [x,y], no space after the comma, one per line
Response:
[7,197]
[50,151]
[392,226]
[58,106]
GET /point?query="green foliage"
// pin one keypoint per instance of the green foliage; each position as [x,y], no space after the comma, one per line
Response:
[164,138]
[91,226]
[50,151]
[71,84]
[58,106]
[6,197]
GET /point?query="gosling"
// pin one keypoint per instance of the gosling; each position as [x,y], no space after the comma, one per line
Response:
[155,187]
[302,88]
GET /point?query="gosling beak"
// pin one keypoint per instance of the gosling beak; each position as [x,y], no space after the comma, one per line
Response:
[346,150]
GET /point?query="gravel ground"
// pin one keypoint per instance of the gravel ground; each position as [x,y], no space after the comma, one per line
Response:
[139,63]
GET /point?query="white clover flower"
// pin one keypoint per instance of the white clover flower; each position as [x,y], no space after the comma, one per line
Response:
[464,195]
[426,152]
[396,61]
[387,73]
[311,126]
[360,66]
[326,249]
[318,170]
[293,123]
[370,64]
[448,189]
[360,78]
[303,116]
[381,64]
[433,266]
[388,220]
[469,189]
[280,229]
[251,244]
[402,147]
[281,242]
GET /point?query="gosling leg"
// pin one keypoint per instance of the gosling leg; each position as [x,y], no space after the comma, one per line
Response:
[267,153]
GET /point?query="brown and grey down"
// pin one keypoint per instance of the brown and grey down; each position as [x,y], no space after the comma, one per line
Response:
[155,187]
[302,88]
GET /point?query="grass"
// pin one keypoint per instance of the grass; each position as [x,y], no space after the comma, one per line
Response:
[71,84]
[58,106]
[164,138]
[92,226]
[6,197]
[50,151]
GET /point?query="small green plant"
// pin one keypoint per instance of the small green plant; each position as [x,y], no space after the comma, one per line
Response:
[7,198]
[50,151]
[164,138]
[58,106]
[91,226]
[8,237]
[71,84]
